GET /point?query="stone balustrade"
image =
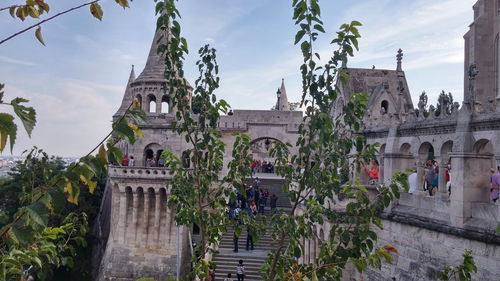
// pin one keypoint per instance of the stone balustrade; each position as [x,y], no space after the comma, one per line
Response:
[151,173]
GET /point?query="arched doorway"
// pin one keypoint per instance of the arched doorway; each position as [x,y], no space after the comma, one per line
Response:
[260,149]
[152,153]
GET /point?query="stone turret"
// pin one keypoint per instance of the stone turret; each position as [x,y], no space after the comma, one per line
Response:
[282,99]
[481,63]
[148,87]
[127,97]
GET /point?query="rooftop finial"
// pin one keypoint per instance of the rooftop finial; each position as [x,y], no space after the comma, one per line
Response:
[399,57]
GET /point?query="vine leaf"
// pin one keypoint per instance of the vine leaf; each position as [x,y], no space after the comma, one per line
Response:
[25,113]
[38,35]
[123,129]
[38,213]
[20,233]
[7,130]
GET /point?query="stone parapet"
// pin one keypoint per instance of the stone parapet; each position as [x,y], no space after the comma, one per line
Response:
[139,173]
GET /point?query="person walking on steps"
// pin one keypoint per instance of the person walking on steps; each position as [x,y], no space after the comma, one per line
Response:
[249,240]
[240,271]
[228,278]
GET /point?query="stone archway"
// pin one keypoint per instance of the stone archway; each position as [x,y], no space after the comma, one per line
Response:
[260,148]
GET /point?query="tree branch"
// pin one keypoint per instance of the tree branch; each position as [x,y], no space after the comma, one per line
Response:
[45,20]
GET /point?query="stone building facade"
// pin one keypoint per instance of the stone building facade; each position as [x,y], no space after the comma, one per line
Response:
[429,232]
[143,239]
[432,232]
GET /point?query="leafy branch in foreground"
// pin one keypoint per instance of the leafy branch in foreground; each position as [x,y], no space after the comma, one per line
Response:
[463,271]
[36,8]
[327,148]
[50,199]
[8,129]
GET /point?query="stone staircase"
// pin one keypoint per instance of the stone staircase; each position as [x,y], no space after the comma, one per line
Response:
[226,260]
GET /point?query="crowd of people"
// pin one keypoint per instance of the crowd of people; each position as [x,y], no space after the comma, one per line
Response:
[254,201]
[151,162]
[262,166]
[128,161]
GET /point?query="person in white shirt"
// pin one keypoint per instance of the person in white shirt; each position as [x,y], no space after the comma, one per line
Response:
[240,271]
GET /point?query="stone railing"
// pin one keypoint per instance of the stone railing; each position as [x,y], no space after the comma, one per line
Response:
[152,173]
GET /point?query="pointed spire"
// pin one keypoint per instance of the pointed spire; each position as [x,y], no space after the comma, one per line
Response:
[155,64]
[399,58]
[131,77]
[282,98]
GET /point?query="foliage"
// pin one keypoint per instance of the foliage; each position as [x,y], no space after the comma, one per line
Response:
[313,188]
[36,8]
[463,271]
[44,192]
[51,247]
[35,171]
[8,129]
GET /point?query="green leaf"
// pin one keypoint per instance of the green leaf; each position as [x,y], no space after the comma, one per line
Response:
[7,130]
[498,228]
[57,199]
[123,129]
[138,115]
[356,23]
[96,10]
[319,28]
[20,233]
[38,213]
[299,36]
[26,114]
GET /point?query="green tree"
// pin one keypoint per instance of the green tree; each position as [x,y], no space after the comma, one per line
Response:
[461,272]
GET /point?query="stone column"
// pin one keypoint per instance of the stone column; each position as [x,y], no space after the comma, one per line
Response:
[135,214]
[146,219]
[157,219]
[122,216]
[443,192]
[158,106]
[420,175]
[470,180]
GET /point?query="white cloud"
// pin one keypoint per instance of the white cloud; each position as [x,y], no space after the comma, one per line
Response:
[16,61]
[72,122]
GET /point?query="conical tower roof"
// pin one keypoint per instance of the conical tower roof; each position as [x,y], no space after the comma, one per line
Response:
[155,64]
[282,100]
[128,96]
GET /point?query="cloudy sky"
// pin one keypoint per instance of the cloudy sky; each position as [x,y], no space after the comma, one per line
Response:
[77,81]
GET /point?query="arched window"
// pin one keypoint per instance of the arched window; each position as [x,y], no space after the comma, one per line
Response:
[384,107]
[151,104]
[165,106]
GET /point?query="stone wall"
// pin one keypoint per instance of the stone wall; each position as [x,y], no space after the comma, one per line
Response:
[424,252]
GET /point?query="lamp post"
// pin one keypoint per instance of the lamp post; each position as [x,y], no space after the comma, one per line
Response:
[278,94]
